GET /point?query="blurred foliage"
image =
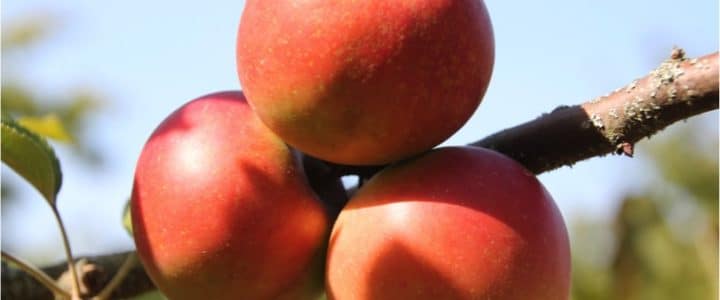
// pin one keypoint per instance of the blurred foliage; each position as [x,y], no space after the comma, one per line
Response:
[69,111]
[27,31]
[664,239]
[63,120]
[49,126]
[63,117]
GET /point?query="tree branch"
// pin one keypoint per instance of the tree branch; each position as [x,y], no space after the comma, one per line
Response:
[678,89]
[95,273]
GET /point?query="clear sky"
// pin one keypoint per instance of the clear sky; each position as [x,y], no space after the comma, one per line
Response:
[149,57]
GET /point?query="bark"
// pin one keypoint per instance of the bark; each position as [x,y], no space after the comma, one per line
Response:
[678,89]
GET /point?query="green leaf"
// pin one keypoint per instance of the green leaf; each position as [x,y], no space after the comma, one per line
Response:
[127,218]
[49,126]
[31,157]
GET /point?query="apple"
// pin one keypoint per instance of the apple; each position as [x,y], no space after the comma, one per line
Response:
[456,223]
[221,208]
[364,82]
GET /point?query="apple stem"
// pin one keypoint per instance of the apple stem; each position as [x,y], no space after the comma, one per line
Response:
[75,292]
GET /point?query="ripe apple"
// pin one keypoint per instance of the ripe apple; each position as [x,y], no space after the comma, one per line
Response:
[221,208]
[364,82]
[457,223]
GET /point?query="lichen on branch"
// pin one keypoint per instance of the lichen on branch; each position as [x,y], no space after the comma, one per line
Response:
[678,89]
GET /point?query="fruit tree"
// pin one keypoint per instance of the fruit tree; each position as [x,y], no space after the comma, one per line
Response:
[237,194]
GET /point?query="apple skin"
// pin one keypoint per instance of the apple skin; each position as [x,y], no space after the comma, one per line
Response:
[221,208]
[364,82]
[457,223]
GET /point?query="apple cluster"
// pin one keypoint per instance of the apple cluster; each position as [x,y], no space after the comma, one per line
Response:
[223,208]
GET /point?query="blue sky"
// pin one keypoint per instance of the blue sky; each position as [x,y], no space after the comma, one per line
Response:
[149,57]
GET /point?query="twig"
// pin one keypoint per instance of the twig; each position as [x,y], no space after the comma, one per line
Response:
[124,270]
[36,273]
[17,284]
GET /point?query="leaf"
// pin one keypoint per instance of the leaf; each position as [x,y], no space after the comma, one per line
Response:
[28,31]
[16,99]
[127,218]
[31,157]
[49,126]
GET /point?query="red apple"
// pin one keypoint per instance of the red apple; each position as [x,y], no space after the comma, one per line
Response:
[457,223]
[221,208]
[364,82]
